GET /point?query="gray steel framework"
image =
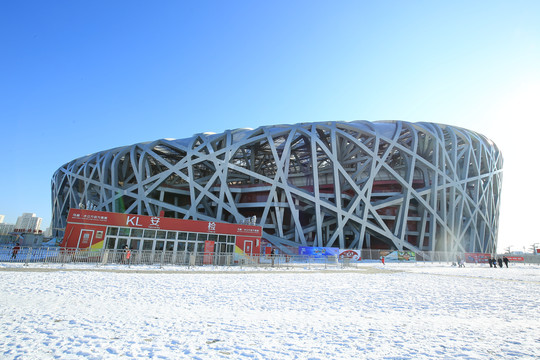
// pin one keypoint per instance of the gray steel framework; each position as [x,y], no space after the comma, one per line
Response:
[385,184]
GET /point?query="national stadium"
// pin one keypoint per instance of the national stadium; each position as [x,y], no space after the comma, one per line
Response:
[352,185]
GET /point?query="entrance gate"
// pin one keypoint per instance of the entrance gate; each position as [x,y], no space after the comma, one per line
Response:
[154,238]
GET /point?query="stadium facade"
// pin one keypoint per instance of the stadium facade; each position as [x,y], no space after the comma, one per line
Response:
[353,185]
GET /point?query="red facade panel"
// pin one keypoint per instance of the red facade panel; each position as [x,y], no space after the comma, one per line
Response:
[88,229]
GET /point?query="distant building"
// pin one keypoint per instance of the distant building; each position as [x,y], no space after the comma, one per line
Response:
[48,232]
[5,229]
[28,223]
[31,240]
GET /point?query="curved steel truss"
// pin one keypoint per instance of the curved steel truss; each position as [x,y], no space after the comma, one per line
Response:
[388,184]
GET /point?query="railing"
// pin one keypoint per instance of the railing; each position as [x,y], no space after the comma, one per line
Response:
[27,255]
[56,255]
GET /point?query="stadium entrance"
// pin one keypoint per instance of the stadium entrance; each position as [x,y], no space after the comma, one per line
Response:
[87,229]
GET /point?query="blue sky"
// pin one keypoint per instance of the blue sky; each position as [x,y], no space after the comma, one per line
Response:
[83,76]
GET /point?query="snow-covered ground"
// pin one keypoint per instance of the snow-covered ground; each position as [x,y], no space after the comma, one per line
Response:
[396,311]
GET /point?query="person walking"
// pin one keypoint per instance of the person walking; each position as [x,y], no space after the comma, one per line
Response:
[272,255]
[127,255]
[15,251]
[505,259]
[499,260]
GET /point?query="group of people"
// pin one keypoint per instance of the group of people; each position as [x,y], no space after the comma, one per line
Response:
[460,262]
[493,262]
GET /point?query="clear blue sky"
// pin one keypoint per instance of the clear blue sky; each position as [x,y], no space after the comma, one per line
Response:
[78,77]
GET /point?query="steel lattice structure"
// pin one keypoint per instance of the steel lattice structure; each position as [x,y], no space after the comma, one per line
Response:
[385,184]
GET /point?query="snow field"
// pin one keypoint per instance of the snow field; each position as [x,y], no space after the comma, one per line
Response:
[412,312]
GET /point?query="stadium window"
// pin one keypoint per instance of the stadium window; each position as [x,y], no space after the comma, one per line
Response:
[135,244]
[109,244]
[221,248]
[202,237]
[151,234]
[181,246]
[147,244]
[200,247]
[136,232]
[121,243]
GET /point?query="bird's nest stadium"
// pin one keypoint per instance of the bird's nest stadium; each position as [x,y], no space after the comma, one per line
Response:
[353,185]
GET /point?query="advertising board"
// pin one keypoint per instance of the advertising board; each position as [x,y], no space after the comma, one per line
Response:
[515,258]
[390,255]
[318,252]
[477,258]
[352,255]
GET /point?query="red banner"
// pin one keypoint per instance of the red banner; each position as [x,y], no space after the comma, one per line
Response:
[515,258]
[159,223]
[477,257]
[208,252]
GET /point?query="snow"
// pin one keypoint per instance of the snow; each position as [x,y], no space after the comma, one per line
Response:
[374,311]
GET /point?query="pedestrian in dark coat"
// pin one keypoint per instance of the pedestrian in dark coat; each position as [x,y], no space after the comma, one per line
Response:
[499,260]
[15,250]
[490,261]
[505,259]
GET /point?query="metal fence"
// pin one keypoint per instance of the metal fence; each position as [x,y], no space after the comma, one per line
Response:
[56,255]
[27,255]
